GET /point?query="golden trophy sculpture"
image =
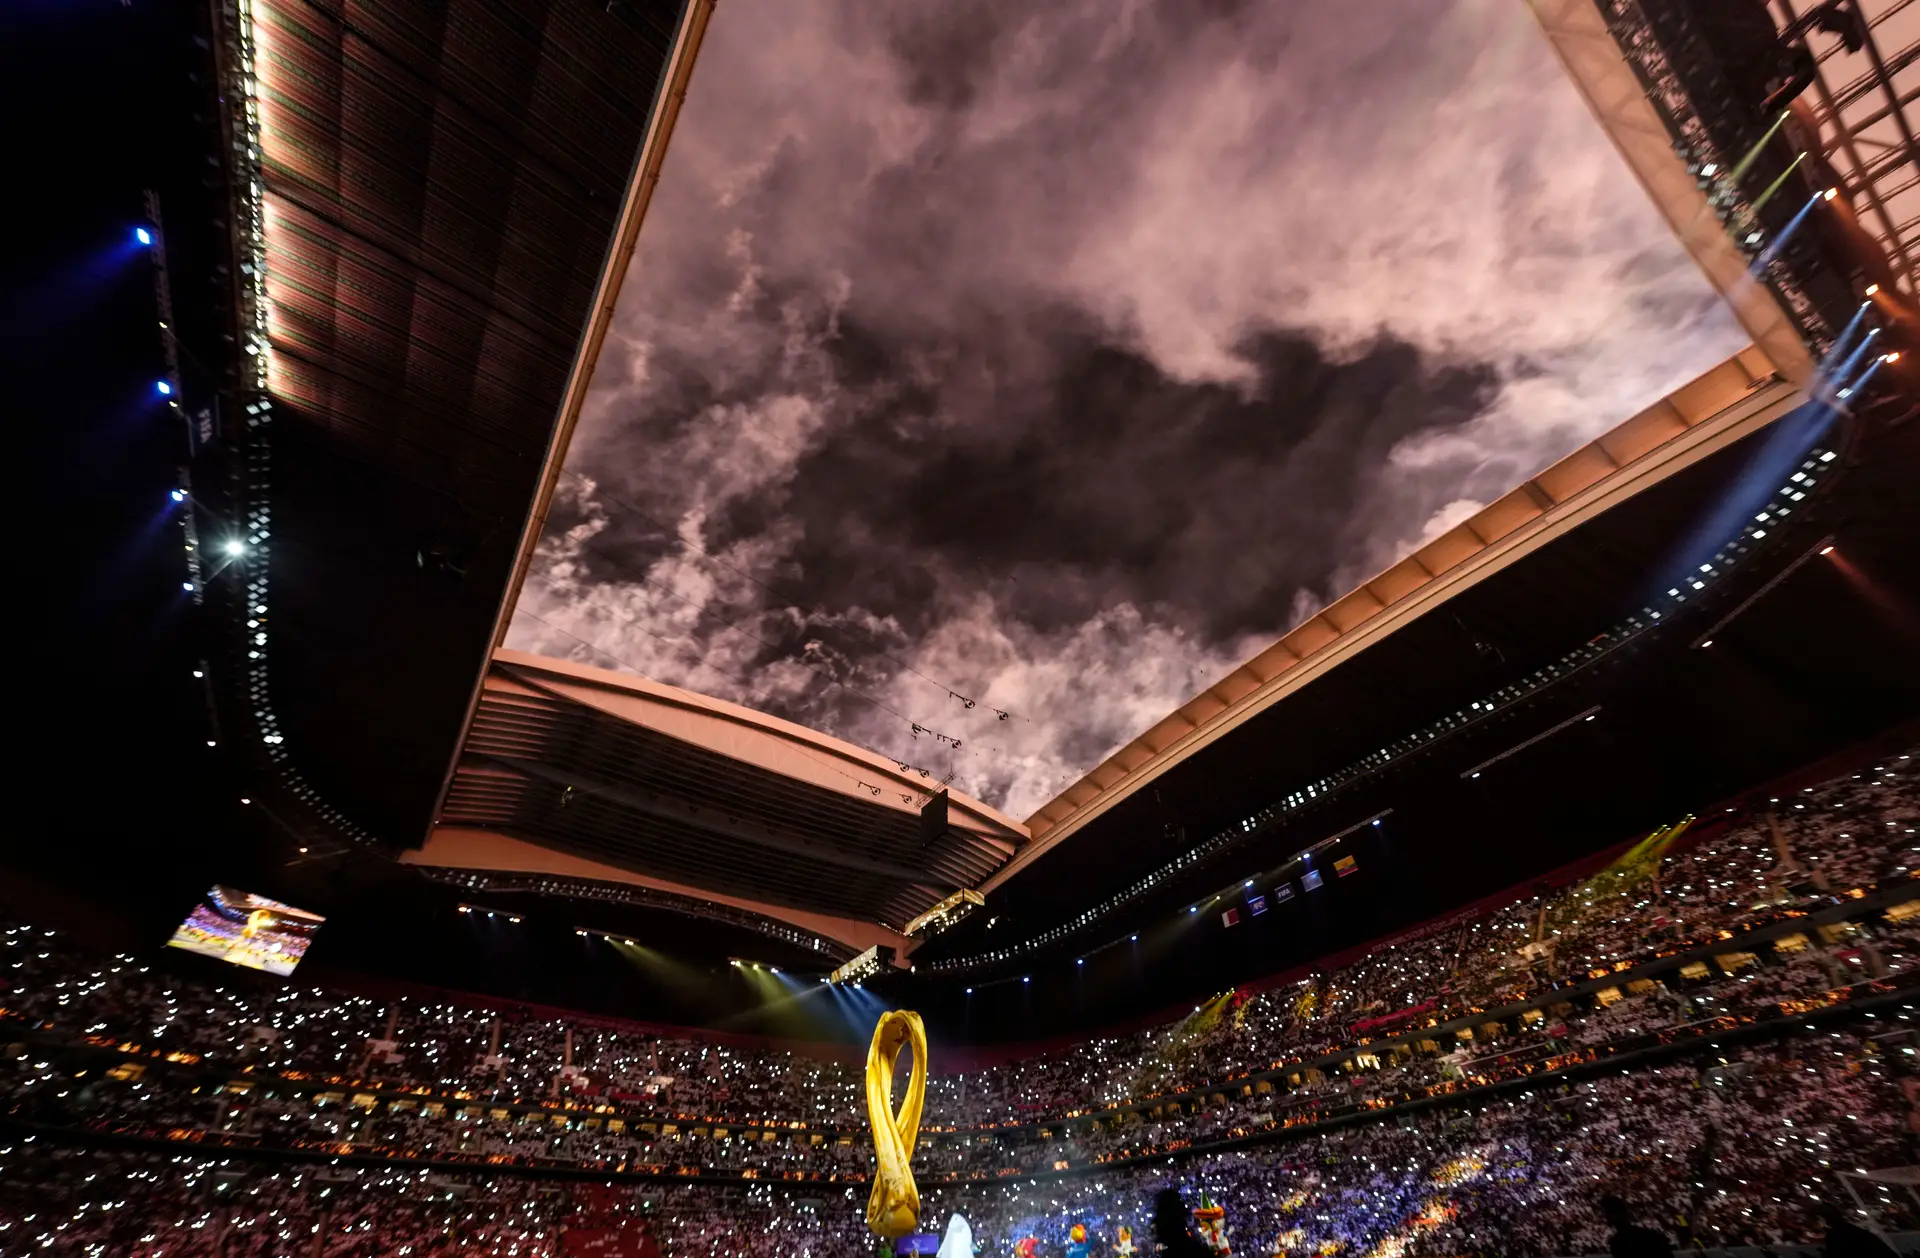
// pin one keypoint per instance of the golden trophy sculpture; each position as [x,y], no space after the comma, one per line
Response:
[893,1208]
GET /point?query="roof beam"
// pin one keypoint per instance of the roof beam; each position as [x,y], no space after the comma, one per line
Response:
[681,812]
[459,847]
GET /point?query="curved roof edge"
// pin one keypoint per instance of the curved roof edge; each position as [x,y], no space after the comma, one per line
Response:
[454,850]
[1734,399]
[752,737]
[1578,34]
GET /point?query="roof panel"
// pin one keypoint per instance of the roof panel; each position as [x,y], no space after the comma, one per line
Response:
[680,787]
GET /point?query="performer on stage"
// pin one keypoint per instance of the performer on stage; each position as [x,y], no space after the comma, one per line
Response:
[958,1242]
[1212,1221]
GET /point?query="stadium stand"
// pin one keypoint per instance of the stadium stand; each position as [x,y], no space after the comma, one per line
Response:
[1474,1083]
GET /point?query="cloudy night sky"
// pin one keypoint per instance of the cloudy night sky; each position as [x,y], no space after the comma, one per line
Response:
[1061,356]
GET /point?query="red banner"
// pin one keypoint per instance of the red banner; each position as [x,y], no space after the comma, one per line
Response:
[1388,1019]
[607,1242]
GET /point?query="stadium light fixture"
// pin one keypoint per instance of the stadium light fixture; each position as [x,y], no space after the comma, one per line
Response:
[1707,643]
[1026,978]
[1893,357]
[245,800]
[142,235]
[1826,550]
[1872,289]
[198,673]
[178,495]
[236,547]
[163,388]
[969,991]
[1831,193]
[212,743]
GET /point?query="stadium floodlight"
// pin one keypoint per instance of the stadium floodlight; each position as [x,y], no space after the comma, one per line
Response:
[1872,289]
[1831,193]
[236,547]
[163,388]
[187,586]
[178,495]
[142,235]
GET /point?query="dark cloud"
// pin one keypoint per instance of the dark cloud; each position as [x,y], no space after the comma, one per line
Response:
[1063,355]
[1106,481]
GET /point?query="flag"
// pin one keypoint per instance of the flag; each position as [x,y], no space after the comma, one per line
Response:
[1230,918]
[1256,904]
[1344,866]
[1310,880]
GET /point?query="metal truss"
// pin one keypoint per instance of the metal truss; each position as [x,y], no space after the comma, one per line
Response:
[1863,103]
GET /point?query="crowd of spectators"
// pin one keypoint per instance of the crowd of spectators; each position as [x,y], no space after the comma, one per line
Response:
[1738,1147]
[432,1087]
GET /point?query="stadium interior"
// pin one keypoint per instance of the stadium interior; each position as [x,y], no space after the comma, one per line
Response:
[1569,857]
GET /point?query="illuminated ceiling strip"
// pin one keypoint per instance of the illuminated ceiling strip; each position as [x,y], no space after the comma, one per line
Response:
[1541,737]
[1820,547]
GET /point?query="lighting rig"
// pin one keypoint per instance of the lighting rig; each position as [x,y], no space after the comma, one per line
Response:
[862,967]
[515,918]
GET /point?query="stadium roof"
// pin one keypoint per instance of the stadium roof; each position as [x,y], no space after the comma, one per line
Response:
[1123,805]
[1731,401]
[431,207]
[1532,717]
[432,244]
[577,771]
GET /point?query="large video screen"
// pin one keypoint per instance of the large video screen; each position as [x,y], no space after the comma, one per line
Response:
[247,929]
